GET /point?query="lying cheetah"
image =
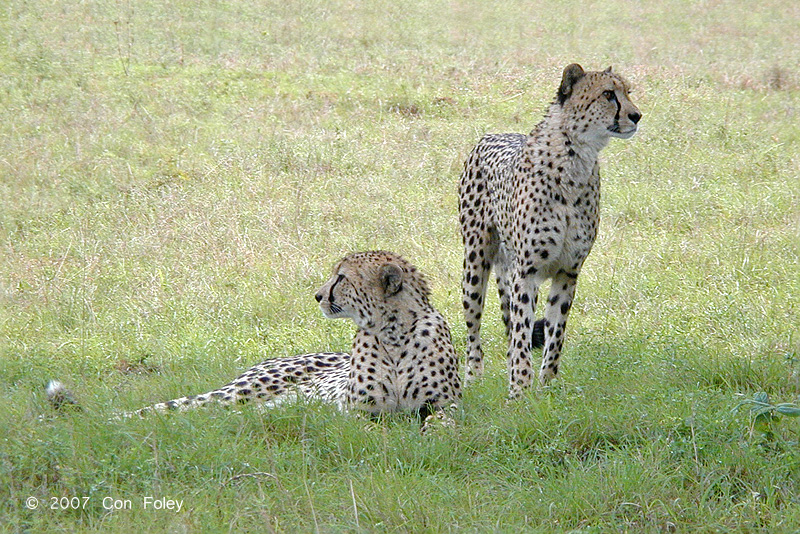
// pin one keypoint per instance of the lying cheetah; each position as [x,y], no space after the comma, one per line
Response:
[528,207]
[402,359]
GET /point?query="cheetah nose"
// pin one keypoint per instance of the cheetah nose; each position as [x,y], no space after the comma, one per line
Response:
[634,117]
[318,296]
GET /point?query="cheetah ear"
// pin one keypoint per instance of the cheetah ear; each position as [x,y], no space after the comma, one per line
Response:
[608,70]
[391,279]
[572,74]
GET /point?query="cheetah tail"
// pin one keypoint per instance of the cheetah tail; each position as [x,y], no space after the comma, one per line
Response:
[60,397]
[537,338]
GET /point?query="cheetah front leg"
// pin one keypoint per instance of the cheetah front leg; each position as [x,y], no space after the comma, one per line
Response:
[562,293]
[504,292]
[524,291]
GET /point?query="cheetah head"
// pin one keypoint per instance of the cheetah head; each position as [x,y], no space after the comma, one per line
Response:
[365,286]
[597,104]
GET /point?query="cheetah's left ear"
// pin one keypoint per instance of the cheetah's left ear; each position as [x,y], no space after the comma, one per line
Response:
[572,73]
[391,279]
[608,70]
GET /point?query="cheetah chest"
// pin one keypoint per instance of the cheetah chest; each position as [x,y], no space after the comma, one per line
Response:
[420,371]
[548,221]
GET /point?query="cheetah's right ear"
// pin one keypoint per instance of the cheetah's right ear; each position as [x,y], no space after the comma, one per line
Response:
[572,73]
[391,279]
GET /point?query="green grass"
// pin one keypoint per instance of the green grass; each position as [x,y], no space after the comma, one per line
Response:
[176,182]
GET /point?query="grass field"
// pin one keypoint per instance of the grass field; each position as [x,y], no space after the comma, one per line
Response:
[176,182]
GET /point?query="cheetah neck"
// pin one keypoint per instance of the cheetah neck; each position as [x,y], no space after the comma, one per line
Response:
[567,142]
[393,319]
[395,325]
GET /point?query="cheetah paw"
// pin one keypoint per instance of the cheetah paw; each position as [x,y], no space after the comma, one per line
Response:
[442,418]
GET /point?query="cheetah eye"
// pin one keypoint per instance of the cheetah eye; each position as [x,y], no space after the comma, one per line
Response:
[610,95]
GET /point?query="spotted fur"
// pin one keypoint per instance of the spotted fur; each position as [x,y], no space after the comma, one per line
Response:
[528,206]
[402,358]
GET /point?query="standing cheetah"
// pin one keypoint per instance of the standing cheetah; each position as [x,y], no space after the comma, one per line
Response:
[528,205]
[402,358]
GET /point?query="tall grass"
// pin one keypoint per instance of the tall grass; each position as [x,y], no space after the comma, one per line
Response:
[177,180]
